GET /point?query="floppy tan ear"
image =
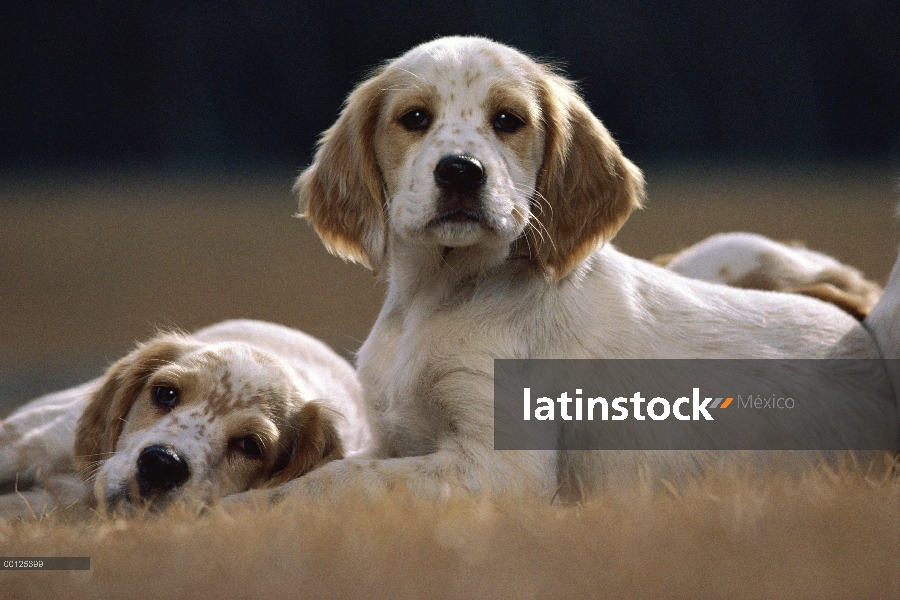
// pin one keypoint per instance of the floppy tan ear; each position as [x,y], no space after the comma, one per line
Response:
[99,426]
[315,442]
[341,193]
[586,189]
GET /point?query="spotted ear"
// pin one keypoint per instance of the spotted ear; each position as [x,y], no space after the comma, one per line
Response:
[100,425]
[314,441]
[341,193]
[586,189]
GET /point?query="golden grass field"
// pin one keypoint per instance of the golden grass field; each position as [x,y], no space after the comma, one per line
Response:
[92,263]
[826,535]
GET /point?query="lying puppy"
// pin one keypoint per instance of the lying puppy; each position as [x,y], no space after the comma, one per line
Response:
[752,261]
[481,186]
[235,406]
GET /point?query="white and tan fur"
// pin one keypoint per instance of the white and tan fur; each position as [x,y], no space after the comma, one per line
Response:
[530,277]
[884,323]
[752,261]
[254,405]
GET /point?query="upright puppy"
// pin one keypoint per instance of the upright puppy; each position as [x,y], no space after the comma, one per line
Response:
[239,405]
[481,186]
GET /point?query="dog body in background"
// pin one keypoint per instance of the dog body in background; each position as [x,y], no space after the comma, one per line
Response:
[237,405]
[752,261]
[482,187]
[884,323]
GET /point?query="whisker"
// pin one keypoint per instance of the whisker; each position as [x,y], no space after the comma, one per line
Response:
[95,454]
[534,224]
[400,89]
[407,71]
[89,471]
[516,209]
[540,201]
[543,200]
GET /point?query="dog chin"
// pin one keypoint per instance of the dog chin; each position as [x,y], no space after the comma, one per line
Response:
[118,501]
[457,234]
[125,499]
[468,231]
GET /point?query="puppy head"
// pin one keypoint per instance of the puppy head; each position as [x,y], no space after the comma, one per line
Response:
[177,420]
[463,143]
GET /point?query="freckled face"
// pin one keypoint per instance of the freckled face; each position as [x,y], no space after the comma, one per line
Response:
[215,409]
[445,101]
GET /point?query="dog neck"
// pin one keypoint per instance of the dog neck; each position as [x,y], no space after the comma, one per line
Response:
[448,274]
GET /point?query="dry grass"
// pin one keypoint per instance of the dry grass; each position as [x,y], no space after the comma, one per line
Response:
[825,536]
[90,265]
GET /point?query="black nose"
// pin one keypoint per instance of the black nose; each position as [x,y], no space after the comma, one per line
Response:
[459,174]
[159,469]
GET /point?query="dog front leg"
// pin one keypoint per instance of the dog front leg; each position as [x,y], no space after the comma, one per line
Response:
[433,477]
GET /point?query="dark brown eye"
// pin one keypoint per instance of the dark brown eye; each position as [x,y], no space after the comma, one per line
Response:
[165,396]
[249,446]
[507,122]
[415,119]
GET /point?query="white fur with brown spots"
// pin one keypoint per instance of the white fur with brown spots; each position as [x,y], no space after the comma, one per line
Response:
[235,406]
[505,256]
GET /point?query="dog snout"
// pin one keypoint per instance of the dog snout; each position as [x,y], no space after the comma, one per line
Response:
[160,469]
[460,174]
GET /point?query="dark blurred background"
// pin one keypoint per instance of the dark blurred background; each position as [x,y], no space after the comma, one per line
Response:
[239,81]
[147,149]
